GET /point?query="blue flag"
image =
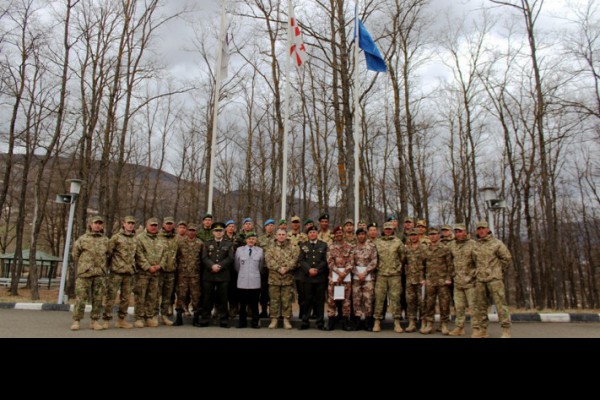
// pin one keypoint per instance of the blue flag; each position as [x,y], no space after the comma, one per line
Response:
[375,61]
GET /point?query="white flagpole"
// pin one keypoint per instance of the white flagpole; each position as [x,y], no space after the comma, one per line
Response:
[213,148]
[286,115]
[356,120]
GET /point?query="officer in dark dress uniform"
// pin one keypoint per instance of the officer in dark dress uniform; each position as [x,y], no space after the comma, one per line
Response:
[313,264]
[217,263]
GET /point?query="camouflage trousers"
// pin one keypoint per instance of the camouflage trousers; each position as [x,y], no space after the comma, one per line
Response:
[442,293]
[362,298]
[88,289]
[281,299]
[464,298]
[188,286]
[121,283]
[346,303]
[166,284]
[390,286]
[494,290]
[414,301]
[146,295]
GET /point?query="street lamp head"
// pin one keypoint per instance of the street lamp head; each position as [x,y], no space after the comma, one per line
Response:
[489,192]
[75,185]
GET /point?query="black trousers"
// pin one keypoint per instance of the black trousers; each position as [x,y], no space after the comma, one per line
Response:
[249,298]
[314,297]
[214,294]
[264,292]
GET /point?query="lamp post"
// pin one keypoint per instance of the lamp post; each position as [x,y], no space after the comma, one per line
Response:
[492,203]
[70,198]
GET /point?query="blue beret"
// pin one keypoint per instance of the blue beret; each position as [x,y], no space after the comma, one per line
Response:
[269,221]
[246,220]
[230,222]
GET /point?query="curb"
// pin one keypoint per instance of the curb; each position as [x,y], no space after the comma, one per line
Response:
[517,317]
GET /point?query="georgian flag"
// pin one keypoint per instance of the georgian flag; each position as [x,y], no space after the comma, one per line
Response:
[297,48]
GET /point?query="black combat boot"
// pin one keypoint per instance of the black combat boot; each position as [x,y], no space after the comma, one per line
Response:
[347,325]
[196,321]
[360,324]
[369,322]
[179,318]
[331,324]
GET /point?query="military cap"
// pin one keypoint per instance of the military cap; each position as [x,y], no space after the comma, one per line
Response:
[217,226]
[97,218]
[250,234]
[362,221]
[295,218]
[246,220]
[230,222]
[446,227]
[152,221]
[337,229]
[348,221]
[308,221]
[482,224]
[269,222]
[360,230]
[324,216]
[167,220]
[413,232]
[391,217]
[129,218]
[311,228]
[408,219]
[433,231]
[460,227]
[372,225]
[182,223]
[207,215]
[422,222]
[282,222]
[388,225]
[192,227]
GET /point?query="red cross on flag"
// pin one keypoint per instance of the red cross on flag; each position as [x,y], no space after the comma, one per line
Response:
[297,48]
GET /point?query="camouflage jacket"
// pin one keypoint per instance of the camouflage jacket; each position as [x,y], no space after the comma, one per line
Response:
[91,252]
[204,234]
[122,253]
[350,240]
[189,256]
[149,251]
[415,263]
[297,238]
[391,253]
[364,255]
[265,241]
[464,263]
[282,255]
[170,241]
[438,264]
[326,236]
[492,258]
[343,250]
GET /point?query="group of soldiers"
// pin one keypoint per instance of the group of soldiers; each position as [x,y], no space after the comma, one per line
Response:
[355,273]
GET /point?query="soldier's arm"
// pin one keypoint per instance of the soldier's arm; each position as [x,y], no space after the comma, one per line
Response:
[504,255]
[236,263]
[294,254]
[261,263]
[449,266]
[140,256]
[77,249]
[373,257]
[330,260]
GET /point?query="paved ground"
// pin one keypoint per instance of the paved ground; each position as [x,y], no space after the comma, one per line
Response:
[55,324]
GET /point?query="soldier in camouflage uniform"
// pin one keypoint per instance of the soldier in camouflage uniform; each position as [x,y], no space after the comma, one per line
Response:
[230,232]
[205,232]
[391,253]
[349,232]
[281,259]
[339,261]
[150,256]
[266,240]
[372,232]
[492,258]
[122,270]
[188,261]
[90,252]
[437,283]
[166,281]
[364,264]
[463,278]
[324,232]
[415,279]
